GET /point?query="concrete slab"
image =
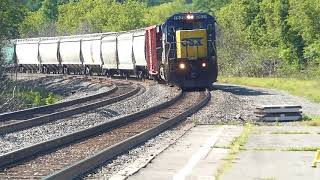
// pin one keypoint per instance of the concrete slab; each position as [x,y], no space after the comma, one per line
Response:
[206,168]
[230,132]
[273,165]
[182,156]
[282,142]
[254,163]
[276,129]
[282,138]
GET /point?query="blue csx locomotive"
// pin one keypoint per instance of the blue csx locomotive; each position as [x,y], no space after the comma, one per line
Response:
[188,54]
[180,51]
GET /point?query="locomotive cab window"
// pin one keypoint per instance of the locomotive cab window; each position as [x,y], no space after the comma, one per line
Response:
[189,26]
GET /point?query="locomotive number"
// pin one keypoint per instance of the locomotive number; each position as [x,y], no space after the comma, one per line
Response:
[184,17]
[191,42]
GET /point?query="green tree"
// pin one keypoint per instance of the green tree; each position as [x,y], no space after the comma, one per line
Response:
[127,16]
[248,35]
[41,22]
[156,2]
[100,16]
[50,9]
[11,15]
[158,14]
[304,21]
[33,5]
[210,6]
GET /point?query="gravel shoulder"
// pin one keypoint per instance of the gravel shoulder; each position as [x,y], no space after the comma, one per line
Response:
[235,104]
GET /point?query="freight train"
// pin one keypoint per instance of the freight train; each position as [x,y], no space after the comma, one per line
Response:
[181,51]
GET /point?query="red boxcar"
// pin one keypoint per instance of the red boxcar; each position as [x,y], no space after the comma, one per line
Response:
[152,39]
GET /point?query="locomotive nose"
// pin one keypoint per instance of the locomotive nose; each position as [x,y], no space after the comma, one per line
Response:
[191,44]
[194,75]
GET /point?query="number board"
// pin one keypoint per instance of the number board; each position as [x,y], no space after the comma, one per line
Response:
[195,17]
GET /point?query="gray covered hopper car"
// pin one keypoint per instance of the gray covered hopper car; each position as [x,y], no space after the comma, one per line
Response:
[27,54]
[108,53]
[48,54]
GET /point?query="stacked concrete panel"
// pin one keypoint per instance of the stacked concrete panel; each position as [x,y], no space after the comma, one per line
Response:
[279,113]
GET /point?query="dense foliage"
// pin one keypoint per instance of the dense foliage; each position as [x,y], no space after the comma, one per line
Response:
[255,37]
[55,17]
[270,36]
[11,15]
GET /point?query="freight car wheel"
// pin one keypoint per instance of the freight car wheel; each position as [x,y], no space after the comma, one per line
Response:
[66,71]
[104,72]
[45,70]
[60,70]
[140,75]
[162,73]
[88,72]
[110,73]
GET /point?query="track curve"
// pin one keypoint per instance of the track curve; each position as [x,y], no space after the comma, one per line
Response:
[114,138]
[117,94]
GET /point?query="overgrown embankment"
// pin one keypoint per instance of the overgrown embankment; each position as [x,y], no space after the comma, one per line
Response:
[15,95]
[304,88]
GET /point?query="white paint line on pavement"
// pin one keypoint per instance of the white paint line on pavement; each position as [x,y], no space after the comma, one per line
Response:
[200,154]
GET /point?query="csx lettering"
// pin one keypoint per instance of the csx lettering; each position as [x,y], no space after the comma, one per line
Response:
[191,42]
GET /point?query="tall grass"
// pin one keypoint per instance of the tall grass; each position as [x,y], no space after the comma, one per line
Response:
[309,89]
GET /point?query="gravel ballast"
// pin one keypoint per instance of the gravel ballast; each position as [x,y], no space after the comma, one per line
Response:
[155,94]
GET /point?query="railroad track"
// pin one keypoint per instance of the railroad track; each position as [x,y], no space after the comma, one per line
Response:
[85,150]
[19,120]
[96,78]
[37,111]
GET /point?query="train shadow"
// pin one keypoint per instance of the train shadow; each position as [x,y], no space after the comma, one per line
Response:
[239,90]
[192,89]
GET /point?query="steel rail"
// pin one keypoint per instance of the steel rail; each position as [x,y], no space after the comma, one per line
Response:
[13,157]
[16,115]
[94,161]
[62,114]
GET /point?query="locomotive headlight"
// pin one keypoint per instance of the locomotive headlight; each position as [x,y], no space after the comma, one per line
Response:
[204,64]
[190,16]
[182,66]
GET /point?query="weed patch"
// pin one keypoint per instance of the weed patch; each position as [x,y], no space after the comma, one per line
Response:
[235,147]
[264,149]
[290,132]
[302,149]
[311,121]
[19,95]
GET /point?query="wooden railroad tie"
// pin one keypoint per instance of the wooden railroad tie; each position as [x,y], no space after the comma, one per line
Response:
[278,113]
